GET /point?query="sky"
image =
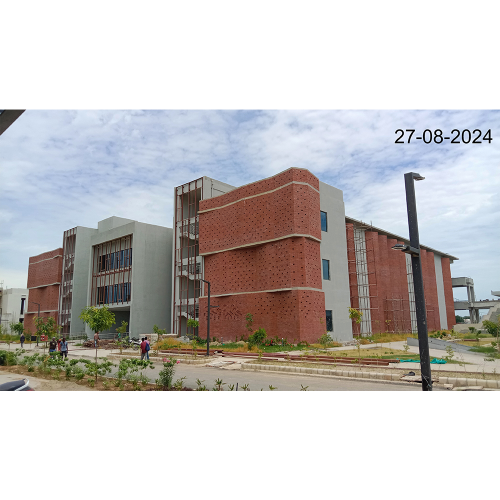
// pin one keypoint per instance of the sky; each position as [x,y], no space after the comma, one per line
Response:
[61,169]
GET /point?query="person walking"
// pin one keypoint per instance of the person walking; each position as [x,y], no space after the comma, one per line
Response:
[64,348]
[148,347]
[52,345]
[22,339]
[96,339]
[143,348]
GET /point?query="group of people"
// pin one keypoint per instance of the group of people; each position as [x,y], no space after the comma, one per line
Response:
[145,348]
[60,345]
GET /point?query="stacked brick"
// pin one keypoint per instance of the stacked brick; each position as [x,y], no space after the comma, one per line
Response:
[44,281]
[261,247]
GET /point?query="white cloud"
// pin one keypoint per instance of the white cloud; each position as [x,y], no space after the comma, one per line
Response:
[59,169]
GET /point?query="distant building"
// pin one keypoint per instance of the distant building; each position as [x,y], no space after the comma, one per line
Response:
[44,282]
[12,306]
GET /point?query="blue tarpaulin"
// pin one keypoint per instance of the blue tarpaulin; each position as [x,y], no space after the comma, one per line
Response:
[434,361]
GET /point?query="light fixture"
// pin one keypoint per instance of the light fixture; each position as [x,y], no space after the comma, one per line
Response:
[399,246]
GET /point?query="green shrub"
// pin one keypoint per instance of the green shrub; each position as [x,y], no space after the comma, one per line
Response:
[8,358]
[257,337]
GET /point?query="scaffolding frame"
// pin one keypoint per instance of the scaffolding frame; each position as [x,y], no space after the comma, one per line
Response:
[188,268]
[399,311]
[362,277]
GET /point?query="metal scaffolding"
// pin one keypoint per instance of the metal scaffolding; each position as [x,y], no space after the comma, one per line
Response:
[188,265]
[362,277]
[66,294]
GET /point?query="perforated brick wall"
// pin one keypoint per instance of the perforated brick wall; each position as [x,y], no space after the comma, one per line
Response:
[294,315]
[287,263]
[290,175]
[291,210]
[292,262]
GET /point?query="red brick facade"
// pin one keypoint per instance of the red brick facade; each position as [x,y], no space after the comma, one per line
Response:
[44,277]
[259,265]
[386,272]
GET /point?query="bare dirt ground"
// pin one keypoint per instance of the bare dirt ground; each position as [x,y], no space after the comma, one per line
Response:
[39,384]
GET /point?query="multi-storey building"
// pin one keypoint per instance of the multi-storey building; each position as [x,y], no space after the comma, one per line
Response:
[44,281]
[283,250]
[123,264]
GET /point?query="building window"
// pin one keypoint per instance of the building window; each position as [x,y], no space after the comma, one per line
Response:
[324,222]
[329,321]
[326,269]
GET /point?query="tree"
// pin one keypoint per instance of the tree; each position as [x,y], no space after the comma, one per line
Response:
[18,328]
[47,327]
[158,331]
[493,329]
[122,330]
[459,319]
[98,319]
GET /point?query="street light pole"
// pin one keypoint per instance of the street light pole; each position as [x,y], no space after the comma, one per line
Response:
[418,282]
[208,316]
[37,304]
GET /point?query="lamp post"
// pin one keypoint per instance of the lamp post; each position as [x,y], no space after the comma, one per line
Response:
[37,304]
[418,283]
[208,316]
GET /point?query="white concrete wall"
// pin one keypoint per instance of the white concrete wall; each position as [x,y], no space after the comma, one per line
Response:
[440,292]
[334,249]
[81,272]
[10,303]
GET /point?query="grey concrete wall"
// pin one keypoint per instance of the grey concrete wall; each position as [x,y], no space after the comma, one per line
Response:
[440,292]
[81,273]
[111,223]
[334,249]
[151,278]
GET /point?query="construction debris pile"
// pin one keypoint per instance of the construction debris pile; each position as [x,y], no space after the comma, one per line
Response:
[103,344]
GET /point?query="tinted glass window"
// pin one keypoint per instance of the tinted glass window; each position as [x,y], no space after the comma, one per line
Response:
[324,222]
[326,269]
[329,321]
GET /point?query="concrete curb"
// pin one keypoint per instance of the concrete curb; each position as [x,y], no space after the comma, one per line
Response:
[370,376]
[159,361]
[388,378]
